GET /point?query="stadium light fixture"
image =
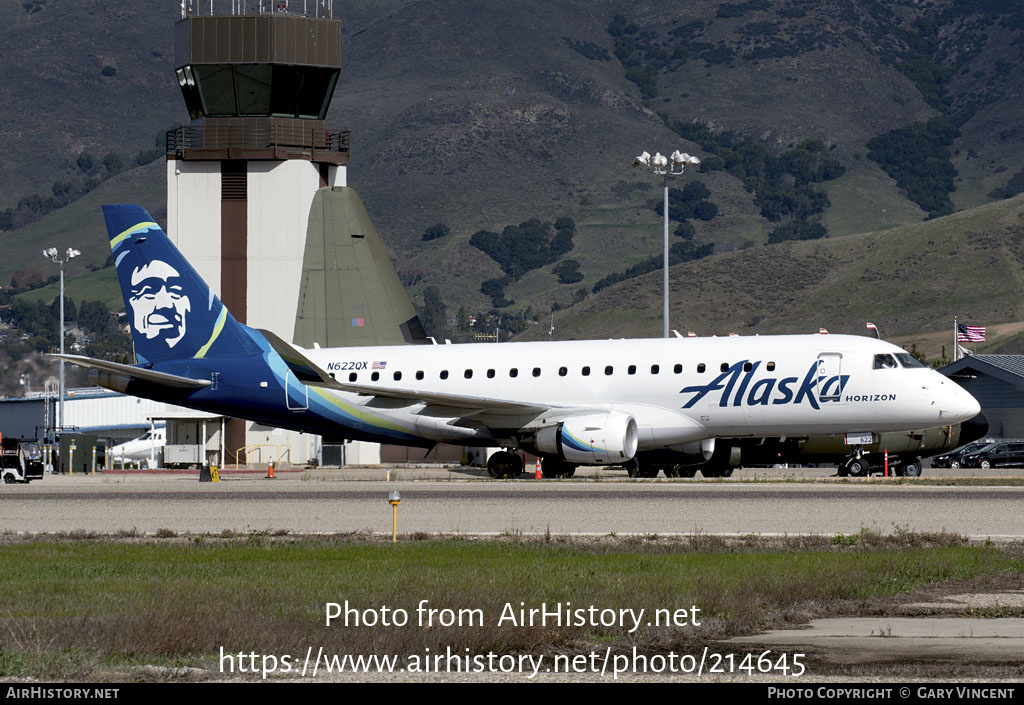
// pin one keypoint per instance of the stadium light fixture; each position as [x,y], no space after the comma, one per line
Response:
[666,166]
[52,254]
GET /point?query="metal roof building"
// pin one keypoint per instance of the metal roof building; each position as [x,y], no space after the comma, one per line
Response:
[997,382]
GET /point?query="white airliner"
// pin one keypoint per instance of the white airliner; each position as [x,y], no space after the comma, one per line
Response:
[147,446]
[573,403]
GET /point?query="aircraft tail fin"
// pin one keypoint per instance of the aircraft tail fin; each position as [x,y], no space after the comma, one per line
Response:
[172,312]
[350,294]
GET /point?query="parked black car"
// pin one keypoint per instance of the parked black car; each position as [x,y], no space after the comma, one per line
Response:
[996,455]
[955,458]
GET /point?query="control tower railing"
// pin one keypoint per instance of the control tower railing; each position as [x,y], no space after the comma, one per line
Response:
[222,141]
[323,9]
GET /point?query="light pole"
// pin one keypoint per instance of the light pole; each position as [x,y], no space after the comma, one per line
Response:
[52,254]
[661,165]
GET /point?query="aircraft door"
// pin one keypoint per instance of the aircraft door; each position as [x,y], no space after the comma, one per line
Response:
[830,377]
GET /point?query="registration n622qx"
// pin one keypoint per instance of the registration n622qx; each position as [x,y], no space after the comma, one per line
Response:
[606,402]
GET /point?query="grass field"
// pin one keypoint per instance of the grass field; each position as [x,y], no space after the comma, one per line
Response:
[84,608]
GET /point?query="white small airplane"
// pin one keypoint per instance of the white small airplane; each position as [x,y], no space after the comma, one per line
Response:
[574,403]
[145,447]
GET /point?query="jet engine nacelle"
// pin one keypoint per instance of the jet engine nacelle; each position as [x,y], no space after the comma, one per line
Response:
[591,439]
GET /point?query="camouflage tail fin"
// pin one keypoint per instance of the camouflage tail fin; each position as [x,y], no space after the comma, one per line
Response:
[350,293]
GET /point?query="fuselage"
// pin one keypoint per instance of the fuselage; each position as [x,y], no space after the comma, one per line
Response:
[678,389]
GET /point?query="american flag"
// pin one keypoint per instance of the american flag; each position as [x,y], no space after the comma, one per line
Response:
[378,365]
[970,334]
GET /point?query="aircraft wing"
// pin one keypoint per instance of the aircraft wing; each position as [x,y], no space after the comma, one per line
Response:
[308,372]
[140,373]
[481,404]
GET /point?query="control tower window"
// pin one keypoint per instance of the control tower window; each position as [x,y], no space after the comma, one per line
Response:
[252,89]
[230,90]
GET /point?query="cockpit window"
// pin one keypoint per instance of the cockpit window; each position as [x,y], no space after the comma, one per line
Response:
[908,360]
[885,362]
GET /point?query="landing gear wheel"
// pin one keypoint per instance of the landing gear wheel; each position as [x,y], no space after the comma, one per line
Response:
[635,469]
[858,467]
[632,467]
[552,467]
[713,472]
[503,465]
[911,468]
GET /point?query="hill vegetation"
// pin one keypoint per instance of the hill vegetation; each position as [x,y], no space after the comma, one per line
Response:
[812,120]
[910,282]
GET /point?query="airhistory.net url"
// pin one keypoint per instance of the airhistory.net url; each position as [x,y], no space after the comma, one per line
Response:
[607,663]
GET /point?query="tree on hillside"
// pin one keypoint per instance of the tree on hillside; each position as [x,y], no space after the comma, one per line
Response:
[438,230]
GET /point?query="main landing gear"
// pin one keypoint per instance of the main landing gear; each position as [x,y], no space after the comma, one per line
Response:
[504,465]
[858,465]
[554,467]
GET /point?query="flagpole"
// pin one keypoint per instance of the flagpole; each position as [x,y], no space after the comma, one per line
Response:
[956,342]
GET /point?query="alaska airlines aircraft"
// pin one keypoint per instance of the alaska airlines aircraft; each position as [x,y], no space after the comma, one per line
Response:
[572,403]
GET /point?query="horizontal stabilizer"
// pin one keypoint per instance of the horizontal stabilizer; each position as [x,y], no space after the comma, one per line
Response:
[138,373]
[304,369]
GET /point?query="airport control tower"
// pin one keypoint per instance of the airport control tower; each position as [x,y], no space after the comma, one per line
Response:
[257,198]
[241,178]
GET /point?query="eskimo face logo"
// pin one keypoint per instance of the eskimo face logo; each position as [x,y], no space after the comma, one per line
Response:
[158,301]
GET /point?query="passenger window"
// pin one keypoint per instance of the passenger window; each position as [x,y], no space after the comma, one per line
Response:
[352,376]
[375,376]
[419,374]
[725,367]
[771,366]
[609,369]
[884,362]
[701,368]
[490,374]
[468,374]
[536,372]
[398,376]
[631,370]
[330,373]
[679,368]
[585,371]
[654,369]
[563,371]
[444,374]
[513,372]
[747,367]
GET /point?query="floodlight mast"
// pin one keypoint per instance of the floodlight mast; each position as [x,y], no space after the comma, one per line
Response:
[52,254]
[665,166]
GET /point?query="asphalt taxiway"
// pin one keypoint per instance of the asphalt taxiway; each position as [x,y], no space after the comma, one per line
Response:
[446,502]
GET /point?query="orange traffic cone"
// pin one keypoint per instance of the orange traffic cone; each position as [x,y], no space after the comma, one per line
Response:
[536,473]
[270,472]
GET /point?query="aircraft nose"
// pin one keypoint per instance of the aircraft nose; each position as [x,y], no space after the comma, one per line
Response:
[957,404]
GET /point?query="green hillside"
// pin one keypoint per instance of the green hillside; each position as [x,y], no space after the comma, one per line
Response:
[909,281]
[837,117]
[80,225]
